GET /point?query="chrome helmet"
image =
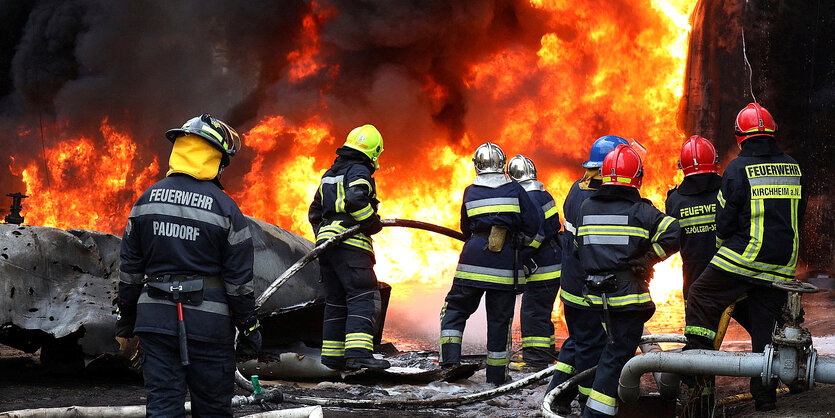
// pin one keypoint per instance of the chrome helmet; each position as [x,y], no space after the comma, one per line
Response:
[521,168]
[489,158]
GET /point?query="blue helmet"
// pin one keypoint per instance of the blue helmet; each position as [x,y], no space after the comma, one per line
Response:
[601,147]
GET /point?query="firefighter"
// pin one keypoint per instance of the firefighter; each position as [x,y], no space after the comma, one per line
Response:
[620,236]
[572,279]
[758,219]
[186,277]
[694,203]
[501,225]
[347,196]
[543,282]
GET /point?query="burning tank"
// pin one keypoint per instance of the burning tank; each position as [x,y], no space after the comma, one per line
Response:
[57,288]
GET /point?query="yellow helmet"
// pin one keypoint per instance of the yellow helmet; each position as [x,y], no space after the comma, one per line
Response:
[367,140]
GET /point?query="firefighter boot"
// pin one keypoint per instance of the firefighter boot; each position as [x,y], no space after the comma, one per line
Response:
[366,363]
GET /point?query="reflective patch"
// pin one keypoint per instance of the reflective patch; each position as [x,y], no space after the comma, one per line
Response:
[605,220]
[208,306]
[332,180]
[606,239]
[237,237]
[184,212]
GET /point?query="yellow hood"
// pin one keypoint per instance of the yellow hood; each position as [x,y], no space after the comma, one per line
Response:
[194,156]
[591,173]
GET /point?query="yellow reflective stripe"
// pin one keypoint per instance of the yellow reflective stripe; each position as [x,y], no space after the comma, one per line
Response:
[359,340]
[363,213]
[538,277]
[493,209]
[535,243]
[359,182]
[604,398]
[703,332]
[212,132]
[577,300]
[721,199]
[550,212]
[720,242]
[619,179]
[498,361]
[536,342]
[450,340]
[488,278]
[584,390]
[659,251]
[630,299]
[756,230]
[724,265]
[793,259]
[665,223]
[733,256]
[566,368]
[333,348]
[697,220]
[613,230]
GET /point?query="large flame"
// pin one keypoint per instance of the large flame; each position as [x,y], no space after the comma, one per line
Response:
[602,70]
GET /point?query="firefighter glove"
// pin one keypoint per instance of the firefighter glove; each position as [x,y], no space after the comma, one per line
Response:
[125,318]
[373,226]
[641,267]
[248,345]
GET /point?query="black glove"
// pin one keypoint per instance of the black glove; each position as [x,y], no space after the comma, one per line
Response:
[373,226]
[641,267]
[249,338]
[248,345]
[125,319]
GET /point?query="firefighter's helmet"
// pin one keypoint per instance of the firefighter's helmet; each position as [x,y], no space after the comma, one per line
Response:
[622,166]
[601,148]
[698,156]
[213,130]
[367,140]
[489,158]
[521,168]
[753,120]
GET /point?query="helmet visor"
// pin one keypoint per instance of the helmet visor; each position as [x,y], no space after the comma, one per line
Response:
[233,140]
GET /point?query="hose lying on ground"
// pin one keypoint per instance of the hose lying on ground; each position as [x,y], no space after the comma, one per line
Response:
[240,380]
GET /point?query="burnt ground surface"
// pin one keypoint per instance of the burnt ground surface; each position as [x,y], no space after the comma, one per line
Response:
[25,383]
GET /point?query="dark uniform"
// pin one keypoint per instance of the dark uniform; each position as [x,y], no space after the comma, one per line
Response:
[694,204]
[614,227]
[574,307]
[543,283]
[347,196]
[492,200]
[757,223]
[181,230]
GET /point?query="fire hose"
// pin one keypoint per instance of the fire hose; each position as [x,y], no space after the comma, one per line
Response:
[317,251]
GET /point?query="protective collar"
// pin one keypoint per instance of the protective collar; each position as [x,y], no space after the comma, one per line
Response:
[616,192]
[195,157]
[491,180]
[531,185]
[700,183]
[759,146]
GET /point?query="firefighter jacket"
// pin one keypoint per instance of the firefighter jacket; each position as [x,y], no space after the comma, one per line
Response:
[572,277]
[188,228]
[495,200]
[615,226]
[548,257]
[347,196]
[694,204]
[761,207]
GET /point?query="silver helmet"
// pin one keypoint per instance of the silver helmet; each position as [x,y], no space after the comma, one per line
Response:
[489,158]
[521,168]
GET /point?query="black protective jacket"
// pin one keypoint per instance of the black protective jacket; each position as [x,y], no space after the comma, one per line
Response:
[615,226]
[187,227]
[347,196]
[761,207]
[694,204]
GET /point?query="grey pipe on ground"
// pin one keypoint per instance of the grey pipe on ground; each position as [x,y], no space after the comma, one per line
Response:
[718,363]
[824,370]
[669,385]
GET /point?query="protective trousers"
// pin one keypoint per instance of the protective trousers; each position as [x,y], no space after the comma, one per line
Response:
[352,305]
[714,291]
[461,302]
[589,341]
[535,319]
[626,328]
[566,360]
[209,377]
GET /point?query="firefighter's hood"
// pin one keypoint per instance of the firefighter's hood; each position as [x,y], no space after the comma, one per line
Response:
[195,157]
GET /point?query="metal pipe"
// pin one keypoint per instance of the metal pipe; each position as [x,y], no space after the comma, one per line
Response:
[669,385]
[719,363]
[825,370]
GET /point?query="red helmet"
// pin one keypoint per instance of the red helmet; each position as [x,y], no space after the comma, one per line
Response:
[698,156]
[753,120]
[622,166]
